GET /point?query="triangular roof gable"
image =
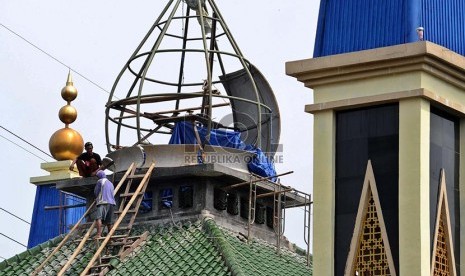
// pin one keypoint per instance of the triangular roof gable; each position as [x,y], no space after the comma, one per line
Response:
[441,215]
[369,190]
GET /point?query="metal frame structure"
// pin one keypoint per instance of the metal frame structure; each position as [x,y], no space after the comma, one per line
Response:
[282,195]
[130,109]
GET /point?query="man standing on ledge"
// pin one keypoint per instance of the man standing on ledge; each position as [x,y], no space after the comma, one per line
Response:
[88,163]
[105,200]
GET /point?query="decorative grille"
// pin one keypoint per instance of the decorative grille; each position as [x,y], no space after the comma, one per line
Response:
[371,254]
[441,262]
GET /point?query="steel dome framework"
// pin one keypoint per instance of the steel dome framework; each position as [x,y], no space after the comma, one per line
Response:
[189,67]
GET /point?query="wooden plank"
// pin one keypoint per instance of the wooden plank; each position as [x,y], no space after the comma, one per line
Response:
[129,194]
[81,244]
[115,226]
[128,251]
[65,239]
[77,250]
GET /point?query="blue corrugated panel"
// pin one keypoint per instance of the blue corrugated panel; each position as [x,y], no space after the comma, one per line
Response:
[354,25]
[47,224]
[444,23]
[72,215]
[44,224]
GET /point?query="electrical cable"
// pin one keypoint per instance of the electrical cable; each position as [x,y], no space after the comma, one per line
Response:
[54,58]
[13,240]
[10,213]
[23,148]
[22,139]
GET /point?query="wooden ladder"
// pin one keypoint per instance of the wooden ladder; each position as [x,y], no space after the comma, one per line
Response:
[78,224]
[121,242]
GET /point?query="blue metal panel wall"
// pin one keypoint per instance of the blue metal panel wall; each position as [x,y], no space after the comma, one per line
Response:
[44,224]
[72,215]
[47,224]
[353,25]
[444,23]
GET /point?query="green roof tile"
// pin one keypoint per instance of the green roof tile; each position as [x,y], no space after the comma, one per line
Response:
[200,248]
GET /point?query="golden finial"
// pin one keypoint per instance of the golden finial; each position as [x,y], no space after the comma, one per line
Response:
[69,92]
[67,143]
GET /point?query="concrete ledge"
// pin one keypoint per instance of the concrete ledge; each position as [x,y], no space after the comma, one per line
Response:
[418,56]
[386,98]
[85,186]
[58,170]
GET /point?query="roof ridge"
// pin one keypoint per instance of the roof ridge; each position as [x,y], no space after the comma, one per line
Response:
[217,237]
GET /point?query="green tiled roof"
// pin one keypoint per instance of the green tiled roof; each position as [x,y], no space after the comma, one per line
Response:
[200,248]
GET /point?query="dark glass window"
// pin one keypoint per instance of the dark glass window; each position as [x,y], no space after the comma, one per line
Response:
[445,154]
[364,134]
[186,197]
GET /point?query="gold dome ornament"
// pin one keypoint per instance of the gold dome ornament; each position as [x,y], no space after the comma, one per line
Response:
[67,114]
[69,92]
[66,144]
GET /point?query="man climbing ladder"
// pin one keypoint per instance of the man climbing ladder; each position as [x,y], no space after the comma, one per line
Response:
[105,200]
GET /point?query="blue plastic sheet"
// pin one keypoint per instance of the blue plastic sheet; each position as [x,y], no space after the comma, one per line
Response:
[167,198]
[183,133]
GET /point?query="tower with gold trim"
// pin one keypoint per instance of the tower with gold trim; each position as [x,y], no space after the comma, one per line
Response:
[387,122]
[388,80]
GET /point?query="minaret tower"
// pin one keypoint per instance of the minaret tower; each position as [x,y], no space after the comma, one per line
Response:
[65,145]
[389,109]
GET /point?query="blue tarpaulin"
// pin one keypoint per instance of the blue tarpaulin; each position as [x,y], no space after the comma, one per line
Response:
[183,133]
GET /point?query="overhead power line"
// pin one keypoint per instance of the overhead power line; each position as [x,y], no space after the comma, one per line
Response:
[23,148]
[54,58]
[7,130]
[10,213]
[13,240]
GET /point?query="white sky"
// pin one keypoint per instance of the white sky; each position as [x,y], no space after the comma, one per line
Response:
[95,38]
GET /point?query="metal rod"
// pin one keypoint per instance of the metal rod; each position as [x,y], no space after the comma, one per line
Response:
[107,111]
[48,208]
[220,60]
[124,117]
[244,64]
[208,91]
[183,56]
[256,180]
[186,109]
[212,43]
[148,135]
[252,207]
[277,217]
[308,222]
[274,193]
[149,62]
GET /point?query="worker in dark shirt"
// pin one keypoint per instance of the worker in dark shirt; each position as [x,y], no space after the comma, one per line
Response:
[88,163]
